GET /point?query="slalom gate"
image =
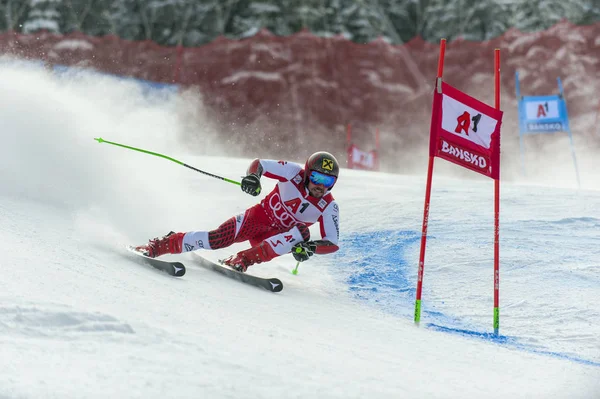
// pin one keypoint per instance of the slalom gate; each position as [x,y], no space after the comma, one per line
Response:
[466,132]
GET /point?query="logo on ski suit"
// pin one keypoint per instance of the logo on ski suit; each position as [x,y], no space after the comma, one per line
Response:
[280,212]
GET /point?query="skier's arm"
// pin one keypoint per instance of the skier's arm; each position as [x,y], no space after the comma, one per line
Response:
[251,183]
[329,222]
[255,168]
[305,249]
[278,170]
[323,247]
[330,230]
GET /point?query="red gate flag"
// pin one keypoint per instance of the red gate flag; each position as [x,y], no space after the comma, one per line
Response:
[465,131]
[359,159]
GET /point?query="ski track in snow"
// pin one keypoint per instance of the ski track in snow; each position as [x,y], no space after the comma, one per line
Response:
[384,275]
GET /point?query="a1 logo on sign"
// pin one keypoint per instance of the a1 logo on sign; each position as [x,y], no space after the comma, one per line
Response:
[541,109]
[467,122]
[464,123]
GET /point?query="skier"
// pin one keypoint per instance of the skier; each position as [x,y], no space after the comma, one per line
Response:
[279,223]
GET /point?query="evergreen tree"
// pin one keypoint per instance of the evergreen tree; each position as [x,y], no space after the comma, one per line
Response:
[468,19]
[179,15]
[590,14]
[535,15]
[125,20]
[89,16]
[250,17]
[155,25]
[311,16]
[357,20]
[207,20]
[278,16]
[43,15]
[364,20]
[14,14]
[404,17]
[334,21]
[197,22]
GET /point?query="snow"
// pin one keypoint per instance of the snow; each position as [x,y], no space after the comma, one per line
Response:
[242,75]
[80,318]
[523,41]
[375,80]
[73,44]
[276,53]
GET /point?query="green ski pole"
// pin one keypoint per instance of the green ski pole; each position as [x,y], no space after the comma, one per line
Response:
[295,271]
[101,140]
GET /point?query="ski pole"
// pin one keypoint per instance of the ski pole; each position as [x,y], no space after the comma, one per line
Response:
[295,271]
[101,140]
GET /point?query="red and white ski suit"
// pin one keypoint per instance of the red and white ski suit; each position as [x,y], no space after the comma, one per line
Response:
[281,219]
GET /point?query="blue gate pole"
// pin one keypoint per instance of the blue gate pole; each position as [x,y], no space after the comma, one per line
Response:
[564,105]
[519,102]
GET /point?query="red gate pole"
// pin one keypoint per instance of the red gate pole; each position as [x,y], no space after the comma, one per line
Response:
[377,150]
[497,205]
[428,195]
[349,160]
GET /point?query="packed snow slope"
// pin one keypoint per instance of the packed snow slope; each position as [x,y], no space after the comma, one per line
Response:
[81,318]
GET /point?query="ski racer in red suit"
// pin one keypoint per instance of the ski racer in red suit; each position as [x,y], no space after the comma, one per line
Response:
[279,224]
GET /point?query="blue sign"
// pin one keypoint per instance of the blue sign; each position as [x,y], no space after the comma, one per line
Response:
[543,114]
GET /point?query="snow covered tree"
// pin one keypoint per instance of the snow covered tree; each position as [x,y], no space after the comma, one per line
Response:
[278,16]
[250,17]
[333,21]
[43,15]
[468,19]
[202,22]
[591,13]
[125,20]
[14,12]
[180,13]
[155,25]
[196,22]
[535,15]
[141,19]
[357,20]
[89,16]
[363,20]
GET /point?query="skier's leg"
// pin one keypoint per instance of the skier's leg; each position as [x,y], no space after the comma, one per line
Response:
[236,229]
[242,227]
[277,244]
[221,237]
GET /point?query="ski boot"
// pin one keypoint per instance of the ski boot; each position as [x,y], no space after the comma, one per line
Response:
[244,259]
[169,244]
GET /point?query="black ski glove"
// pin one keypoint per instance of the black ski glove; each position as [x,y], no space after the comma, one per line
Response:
[251,185]
[304,250]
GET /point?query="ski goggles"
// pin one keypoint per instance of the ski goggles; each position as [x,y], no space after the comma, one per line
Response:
[320,178]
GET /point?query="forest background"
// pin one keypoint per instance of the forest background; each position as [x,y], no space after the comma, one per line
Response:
[197,22]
